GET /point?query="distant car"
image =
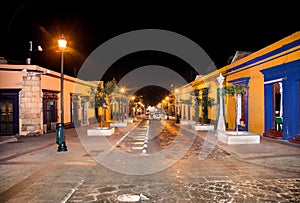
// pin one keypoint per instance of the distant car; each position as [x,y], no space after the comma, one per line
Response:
[158,116]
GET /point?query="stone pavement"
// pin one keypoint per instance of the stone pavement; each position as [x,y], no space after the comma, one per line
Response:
[33,171]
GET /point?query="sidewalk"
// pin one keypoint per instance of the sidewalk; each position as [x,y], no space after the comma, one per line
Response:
[278,154]
[5,139]
[27,144]
[45,175]
[270,153]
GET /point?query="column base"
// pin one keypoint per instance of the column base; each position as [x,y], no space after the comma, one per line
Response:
[62,147]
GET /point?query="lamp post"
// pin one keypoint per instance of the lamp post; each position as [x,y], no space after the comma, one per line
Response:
[167,98]
[122,90]
[60,137]
[177,106]
[132,107]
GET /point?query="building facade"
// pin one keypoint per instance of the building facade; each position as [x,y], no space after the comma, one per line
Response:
[270,107]
[30,100]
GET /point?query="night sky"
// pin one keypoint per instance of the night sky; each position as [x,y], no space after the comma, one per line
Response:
[88,24]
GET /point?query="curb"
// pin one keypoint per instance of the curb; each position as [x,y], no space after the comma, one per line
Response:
[5,139]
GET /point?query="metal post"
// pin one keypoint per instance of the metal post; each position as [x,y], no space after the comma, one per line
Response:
[60,136]
[62,86]
[122,108]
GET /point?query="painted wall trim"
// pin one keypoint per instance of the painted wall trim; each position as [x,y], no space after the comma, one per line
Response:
[274,81]
[284,48]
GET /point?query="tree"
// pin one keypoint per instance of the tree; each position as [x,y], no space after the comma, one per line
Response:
[197,101]
[234,91]
[102,96]
[205,103]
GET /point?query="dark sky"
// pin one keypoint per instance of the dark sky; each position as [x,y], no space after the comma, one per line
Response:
[219,30]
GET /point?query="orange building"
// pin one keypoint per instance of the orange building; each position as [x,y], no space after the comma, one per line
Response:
[30,100]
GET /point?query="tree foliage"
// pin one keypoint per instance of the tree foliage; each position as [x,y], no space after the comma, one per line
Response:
[205,101]
[102,93]
[233,90]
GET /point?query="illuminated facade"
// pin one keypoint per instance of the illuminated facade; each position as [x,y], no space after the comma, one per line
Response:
[29,100]
[270,106]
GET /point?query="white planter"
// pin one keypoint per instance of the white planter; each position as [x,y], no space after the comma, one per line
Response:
[204,127]
[98,131]
[188,122]
[118,124]
[240,138]
[129,120]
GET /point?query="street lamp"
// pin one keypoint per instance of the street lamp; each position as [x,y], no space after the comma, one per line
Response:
[28,60]
[60,137]
[122,90]
[132,107]
[177,106]
[167,98]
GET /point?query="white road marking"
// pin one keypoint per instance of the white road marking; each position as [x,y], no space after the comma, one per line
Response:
[67,197]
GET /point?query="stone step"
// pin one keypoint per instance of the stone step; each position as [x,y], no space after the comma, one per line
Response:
[273,136]
[297,137]
[295,141]
[275,132]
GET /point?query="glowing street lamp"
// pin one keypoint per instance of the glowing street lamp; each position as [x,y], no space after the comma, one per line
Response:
[60,136]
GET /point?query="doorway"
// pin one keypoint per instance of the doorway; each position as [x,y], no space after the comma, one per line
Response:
[50,110]
[277,106]
[9,112]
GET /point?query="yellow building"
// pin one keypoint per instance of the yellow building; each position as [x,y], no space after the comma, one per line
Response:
[270,106]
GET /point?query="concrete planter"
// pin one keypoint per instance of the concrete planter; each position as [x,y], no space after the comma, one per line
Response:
[188,122]
[240,138]
[129,120]
[98,131]
[204,127]
[118,124]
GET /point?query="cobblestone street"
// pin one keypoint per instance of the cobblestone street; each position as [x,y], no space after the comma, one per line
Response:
[272,190]
[218,178]
[33,171]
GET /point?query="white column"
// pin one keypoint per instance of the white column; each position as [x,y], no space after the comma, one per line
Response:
[221,123]
[281,97]
[239,109]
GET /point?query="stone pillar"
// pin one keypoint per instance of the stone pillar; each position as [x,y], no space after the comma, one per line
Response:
[221,122]
[31,106]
